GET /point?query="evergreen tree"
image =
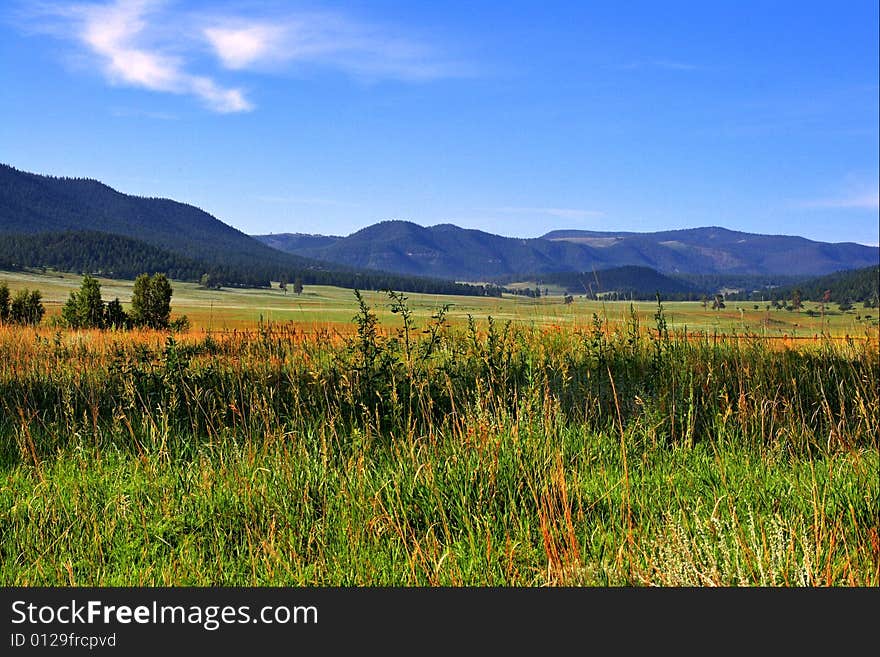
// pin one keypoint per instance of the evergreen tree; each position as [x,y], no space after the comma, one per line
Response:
[298,285]
[27,308]
[35,309]
[4,302]
[151,301]
[84,309]
[70,310]
[17,309]
[115,316]
[211,281]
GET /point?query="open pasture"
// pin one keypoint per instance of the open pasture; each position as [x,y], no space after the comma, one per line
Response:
[560,449]
[325,306]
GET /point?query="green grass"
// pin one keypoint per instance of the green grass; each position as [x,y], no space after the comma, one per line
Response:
[532,506]
[244,308]
[488,454]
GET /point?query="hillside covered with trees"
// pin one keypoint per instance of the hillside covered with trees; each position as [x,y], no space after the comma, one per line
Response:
[856,286]
[81,225]
[449,251]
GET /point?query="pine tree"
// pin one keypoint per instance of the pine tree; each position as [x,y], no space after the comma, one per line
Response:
[84,308]
[4,302]
[35,309]
[27,308]
[151,301]
[115,316]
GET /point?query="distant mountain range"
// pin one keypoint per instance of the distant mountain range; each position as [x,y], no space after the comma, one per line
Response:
[448,251]
[82,225]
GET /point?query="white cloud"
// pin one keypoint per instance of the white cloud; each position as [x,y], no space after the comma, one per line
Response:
[157,45]
[219,98]
[128,41]
[239,48]
[324,39]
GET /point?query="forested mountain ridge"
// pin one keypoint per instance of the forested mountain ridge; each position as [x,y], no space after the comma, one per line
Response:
[714,250]
[32,203]
[81,224]
[65,222]
[449,251]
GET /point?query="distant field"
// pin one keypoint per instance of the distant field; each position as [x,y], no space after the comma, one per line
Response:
[323,305]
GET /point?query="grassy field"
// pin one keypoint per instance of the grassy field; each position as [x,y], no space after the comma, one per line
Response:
[557,449]
[322,306]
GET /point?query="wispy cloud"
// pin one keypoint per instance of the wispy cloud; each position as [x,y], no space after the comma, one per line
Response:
[126,41]
[324,39]
[562,213]
[158,45]
[244,46]
[866,201]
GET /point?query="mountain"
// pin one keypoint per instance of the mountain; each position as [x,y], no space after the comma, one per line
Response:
[448,251]
[80,224]
[719,250]
[32,203]
[444,250]
[293,242]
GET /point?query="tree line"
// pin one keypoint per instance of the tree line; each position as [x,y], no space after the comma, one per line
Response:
[844,287]
[85,308]
[113,256]
[117,256]
[25,308]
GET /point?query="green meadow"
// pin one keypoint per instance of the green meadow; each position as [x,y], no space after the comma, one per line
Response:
[586,444]
[231,308]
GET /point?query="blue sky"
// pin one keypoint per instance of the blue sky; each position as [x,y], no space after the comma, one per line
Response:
[511,117]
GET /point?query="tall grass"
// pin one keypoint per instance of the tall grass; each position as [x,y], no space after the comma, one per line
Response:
[489,455]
